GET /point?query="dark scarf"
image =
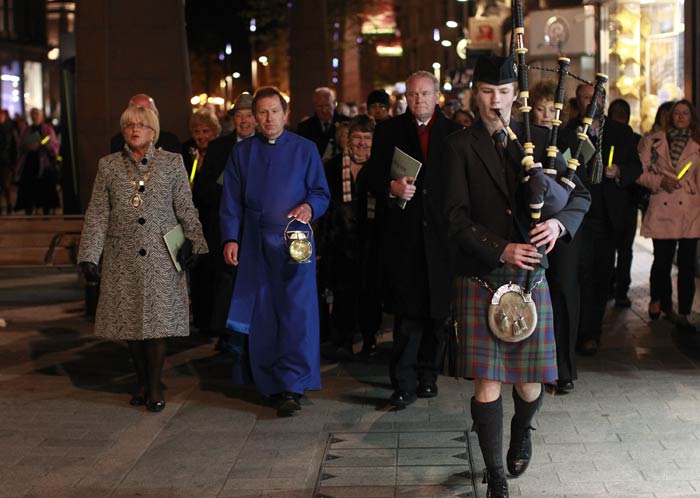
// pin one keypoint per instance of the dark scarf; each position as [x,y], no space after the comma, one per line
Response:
[677,140]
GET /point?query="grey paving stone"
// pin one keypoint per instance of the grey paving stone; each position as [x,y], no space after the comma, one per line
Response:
[432,475]
[348,440]
[432,439]
[633,488]
[358,491]
[439,491]
[358,476]
[374,457]
[433,456]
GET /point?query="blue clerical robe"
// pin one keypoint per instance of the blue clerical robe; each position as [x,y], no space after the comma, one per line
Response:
[274,301]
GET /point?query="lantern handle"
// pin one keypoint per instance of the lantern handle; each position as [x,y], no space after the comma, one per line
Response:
[286,229]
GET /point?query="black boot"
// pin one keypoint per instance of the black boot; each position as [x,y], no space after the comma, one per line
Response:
[488,425]
[520,447]
[497,485]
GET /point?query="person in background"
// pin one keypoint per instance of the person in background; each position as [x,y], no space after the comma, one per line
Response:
[562,278]
[416,265]
[204,127]
[450,107]
[166,140]
[139,194]
[349,237]
[206,193]
[672,217]
[8,158]
[320,128]
[378,105]
[619,111]
[341,137]
[352,109]
[273,182]
[612,206]
[464,117]
[37,172]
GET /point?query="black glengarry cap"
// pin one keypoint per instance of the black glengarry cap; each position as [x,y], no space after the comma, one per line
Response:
[495,70]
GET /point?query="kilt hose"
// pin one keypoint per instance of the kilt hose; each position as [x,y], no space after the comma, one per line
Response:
[482,355]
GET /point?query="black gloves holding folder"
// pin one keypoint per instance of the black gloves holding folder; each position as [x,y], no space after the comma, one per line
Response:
[185,256]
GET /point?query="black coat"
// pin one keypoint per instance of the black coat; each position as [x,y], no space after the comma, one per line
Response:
[612,200]
[483,217]
[348,234]
[416,260]
[311,128]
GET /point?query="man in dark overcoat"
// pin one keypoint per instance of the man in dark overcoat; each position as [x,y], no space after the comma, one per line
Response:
[613,209]
[493,244]
[320,128]
[216,277]
[416,257]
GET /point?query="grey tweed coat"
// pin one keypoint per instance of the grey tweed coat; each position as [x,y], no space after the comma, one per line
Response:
[142,295]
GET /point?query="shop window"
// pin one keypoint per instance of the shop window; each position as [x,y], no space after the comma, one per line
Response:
[10,88]
[646,55]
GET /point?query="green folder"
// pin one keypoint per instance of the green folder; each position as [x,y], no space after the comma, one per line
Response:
[403,165]
[174,240]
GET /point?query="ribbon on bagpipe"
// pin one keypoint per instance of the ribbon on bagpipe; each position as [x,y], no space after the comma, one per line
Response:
[549,188]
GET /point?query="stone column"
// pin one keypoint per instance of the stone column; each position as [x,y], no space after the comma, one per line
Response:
[124,48]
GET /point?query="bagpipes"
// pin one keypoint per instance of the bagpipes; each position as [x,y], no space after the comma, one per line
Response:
[549,188]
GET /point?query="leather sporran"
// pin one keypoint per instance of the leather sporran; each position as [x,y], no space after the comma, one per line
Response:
[512,313]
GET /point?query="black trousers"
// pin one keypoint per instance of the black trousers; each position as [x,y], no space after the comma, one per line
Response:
[624,240]
[355,308]
[417,353]
[562,277]
[202,292]
[595,270]
[660,278]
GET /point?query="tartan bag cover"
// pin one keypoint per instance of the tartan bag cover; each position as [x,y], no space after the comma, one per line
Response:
[480,354]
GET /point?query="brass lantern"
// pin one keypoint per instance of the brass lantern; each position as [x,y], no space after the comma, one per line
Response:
[299,243]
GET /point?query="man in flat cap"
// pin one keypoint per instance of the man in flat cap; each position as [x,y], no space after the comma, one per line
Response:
[417,279]
[492,244]
[206,194]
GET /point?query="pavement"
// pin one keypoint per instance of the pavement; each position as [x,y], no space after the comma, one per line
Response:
[631,427]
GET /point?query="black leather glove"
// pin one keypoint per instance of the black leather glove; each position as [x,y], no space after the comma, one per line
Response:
[90,271]
[185,256]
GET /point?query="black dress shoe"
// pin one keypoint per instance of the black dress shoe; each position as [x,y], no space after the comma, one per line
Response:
[137,399]
[155,406]
[496,483]
[288,404]
[519,450]
[401,399]
[565,385]
[427,390]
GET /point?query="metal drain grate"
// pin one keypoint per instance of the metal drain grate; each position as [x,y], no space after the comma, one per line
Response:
[431,464]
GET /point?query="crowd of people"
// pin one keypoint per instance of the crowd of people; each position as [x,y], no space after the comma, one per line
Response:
[297,243]
[29,164]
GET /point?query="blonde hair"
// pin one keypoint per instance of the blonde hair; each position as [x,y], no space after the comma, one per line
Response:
[206,118]
[136,114]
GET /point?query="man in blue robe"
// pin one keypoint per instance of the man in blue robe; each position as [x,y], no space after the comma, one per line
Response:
[271,179]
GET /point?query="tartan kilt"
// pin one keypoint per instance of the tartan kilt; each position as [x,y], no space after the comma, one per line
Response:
[480,354]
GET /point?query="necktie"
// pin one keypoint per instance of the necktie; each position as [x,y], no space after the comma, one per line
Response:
[422,127]
[499,139]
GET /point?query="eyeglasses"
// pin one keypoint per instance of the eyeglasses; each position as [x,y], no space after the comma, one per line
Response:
[138,126]
[360,138]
